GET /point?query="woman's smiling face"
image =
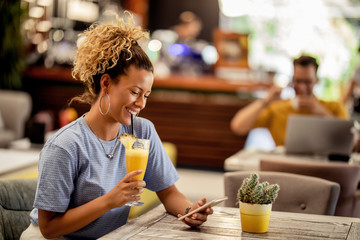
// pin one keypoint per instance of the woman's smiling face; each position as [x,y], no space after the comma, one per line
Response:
[130,94]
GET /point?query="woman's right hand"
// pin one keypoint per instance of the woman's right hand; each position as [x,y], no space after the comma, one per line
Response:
[125,191]
[54,224]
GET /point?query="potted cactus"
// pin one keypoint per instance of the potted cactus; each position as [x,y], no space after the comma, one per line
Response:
[255,200]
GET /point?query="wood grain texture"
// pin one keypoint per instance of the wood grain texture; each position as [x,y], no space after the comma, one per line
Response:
[225,224]
[354,233]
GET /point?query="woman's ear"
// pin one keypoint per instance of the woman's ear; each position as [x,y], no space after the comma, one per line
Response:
[105,82]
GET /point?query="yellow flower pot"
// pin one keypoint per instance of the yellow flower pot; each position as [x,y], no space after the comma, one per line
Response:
[255,217]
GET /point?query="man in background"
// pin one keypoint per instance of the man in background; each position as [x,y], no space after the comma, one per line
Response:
[181,48]
[272,112]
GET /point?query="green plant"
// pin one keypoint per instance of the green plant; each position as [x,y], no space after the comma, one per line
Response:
[252,191]
[12,48]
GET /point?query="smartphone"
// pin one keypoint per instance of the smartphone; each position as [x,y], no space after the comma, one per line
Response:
[203,207]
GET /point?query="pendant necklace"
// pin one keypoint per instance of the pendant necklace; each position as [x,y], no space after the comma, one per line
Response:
[108,155]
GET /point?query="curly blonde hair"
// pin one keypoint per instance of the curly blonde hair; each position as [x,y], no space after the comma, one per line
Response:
[109,49]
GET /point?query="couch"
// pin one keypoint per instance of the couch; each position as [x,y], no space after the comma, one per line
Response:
[15,110]
[16,201]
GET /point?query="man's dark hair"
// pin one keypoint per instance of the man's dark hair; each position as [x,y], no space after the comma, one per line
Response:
[305,61]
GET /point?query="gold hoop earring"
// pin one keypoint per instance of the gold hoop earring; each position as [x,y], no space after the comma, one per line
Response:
[107,111]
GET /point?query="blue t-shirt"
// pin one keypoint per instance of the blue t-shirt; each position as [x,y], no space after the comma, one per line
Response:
[74,170]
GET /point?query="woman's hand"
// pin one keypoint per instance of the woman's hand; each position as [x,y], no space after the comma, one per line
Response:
[198,218]
[125,191]
[54,224]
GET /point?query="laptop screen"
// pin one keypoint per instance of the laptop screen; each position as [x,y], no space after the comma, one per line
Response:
[318,135]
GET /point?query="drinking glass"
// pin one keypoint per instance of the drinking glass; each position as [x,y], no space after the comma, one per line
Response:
[136,159]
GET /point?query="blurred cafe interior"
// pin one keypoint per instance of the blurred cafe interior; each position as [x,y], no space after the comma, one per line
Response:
[211,58]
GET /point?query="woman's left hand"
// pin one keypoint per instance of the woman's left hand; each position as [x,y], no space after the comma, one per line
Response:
[198,218]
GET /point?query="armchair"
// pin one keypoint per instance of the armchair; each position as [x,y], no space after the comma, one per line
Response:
[298,193]
[16,200]
[15,109]
[346,175]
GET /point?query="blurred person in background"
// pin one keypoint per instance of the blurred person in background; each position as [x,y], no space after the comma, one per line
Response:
[351,98]
[272,112]
[188,28]
[181,47]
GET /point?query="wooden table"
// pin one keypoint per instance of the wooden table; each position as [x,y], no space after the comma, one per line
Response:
[225,224]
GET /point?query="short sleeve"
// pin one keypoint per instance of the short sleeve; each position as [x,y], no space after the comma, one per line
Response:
[340,111]
[56,177]
[263,119]
[336,108]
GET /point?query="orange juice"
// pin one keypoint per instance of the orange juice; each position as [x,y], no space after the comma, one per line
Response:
[136,159]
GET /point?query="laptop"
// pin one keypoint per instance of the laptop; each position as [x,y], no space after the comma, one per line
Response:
[313,135]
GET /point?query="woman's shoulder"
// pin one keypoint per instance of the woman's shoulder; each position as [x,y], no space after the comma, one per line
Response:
[69,134]
[143,121]
[143,127]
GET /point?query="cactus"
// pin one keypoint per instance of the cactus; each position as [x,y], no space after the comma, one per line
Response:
[251,191]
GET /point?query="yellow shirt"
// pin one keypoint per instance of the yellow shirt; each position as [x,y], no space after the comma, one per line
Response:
[274,117]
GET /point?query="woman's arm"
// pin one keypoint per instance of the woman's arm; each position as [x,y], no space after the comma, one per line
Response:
[54,224]
[176,203]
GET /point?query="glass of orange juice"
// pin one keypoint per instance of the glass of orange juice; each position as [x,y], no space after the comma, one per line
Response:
[136,159]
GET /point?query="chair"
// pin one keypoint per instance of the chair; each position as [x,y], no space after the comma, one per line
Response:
[15,109]
[301,194]
[16,200]
[346,175]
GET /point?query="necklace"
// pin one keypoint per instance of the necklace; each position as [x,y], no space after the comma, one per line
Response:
[108,155]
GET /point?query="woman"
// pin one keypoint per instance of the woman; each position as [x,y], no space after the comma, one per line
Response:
[83,185]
